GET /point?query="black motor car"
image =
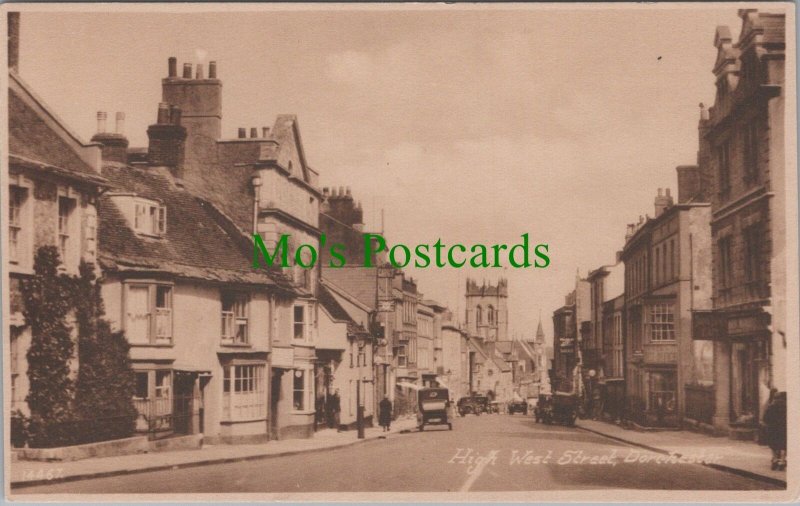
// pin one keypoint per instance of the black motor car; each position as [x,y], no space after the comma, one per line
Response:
[518,406]
[561,408]
[433,407]
[472,404]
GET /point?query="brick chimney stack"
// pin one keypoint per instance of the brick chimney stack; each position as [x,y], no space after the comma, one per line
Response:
[662,202]
[13,41]
[167,140]
[200,100]
[341,206]
[114,144]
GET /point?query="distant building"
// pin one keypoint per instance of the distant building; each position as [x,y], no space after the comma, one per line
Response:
[602,355]
[487,311]
[571,325]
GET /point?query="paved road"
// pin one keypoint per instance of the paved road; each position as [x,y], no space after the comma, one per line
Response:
[478,455]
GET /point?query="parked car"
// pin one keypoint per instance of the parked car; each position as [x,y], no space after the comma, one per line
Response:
[467,405]
[433,407]
[561,408]
[518,406]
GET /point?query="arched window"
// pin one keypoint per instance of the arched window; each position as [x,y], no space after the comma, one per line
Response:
[490,315]
[478,315]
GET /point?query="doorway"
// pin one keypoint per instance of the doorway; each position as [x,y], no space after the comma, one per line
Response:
[274,401]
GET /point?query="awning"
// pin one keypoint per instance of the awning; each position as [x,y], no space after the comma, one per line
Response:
[406,384]
[191,369]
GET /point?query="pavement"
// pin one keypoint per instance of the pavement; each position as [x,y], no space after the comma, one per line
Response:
[29,473]
[745,458]
[482,455]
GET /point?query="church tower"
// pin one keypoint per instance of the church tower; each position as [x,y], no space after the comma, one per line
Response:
[487,311]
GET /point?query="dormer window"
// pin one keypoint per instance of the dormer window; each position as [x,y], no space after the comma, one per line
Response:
[150,218]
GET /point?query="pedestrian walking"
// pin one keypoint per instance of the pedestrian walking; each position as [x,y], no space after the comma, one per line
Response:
[775,422]
[336,410]
[385,414]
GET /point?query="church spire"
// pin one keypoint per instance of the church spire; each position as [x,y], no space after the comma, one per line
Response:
[539,330]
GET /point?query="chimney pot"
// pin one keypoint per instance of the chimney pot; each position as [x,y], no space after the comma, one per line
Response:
[254,133]
[242,133]
[187,70]
[199,74]
[173,66]
[120,127]
[659,192]
[101,122]
[341,191]
[348,191]
[265,132]
[163,113]
[667,192]
[325,190]
[212,70]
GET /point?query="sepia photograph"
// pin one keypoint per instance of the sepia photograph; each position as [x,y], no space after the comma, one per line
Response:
[515,252]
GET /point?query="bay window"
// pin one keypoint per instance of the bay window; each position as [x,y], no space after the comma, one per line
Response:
[234,318]
[302,323]
[243,392]
[301,390]
[149,218]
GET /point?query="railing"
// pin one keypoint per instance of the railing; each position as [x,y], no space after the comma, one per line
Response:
[699,403]
[165,415]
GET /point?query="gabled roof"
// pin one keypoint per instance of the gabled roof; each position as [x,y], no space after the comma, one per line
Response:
[195,245]
[37,135]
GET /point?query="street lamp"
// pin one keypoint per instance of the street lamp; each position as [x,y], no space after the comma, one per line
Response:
[361,341]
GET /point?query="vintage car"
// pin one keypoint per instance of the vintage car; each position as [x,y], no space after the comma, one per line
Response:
[559,408]
[434,404]
[473,404]
[518,406]
[467,405]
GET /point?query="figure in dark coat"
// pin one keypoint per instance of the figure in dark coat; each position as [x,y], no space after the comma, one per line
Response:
[385,413]
[775,422]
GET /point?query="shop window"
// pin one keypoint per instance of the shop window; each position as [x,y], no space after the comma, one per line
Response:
[662,389]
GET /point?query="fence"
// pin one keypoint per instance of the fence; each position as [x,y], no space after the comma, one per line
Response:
[699,403]
[163,416]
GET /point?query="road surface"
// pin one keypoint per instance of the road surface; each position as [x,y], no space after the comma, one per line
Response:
[481,453]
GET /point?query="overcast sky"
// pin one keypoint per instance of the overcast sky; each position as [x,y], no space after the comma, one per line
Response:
[469,126]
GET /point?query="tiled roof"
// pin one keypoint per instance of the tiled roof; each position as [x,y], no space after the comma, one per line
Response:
[331,305]
[195,245]
[359,282]
[30,136]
